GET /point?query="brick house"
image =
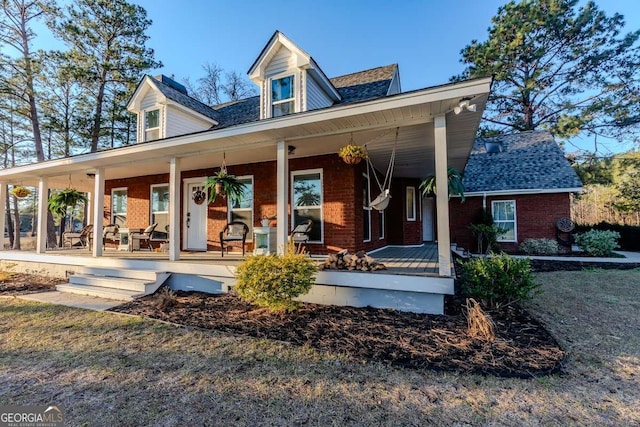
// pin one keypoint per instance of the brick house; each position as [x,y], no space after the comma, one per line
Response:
[523,181]
[283,145]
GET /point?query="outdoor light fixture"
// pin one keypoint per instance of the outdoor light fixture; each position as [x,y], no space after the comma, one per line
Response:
[91,175]
[291,149]
[464,105]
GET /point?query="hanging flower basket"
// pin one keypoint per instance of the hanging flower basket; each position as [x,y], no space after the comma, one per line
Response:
[20,192]
[352,154]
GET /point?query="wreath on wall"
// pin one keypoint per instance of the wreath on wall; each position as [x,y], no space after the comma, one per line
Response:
[199,197]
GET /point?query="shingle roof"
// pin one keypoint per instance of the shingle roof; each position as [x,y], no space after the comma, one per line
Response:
[366,84]
[528,160]
[183,99]
[237,112]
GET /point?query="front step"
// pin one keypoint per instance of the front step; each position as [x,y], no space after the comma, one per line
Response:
[123,285]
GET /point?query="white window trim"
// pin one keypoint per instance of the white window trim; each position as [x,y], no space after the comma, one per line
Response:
[144,123]
[229,208]
[515,220]
[411,216]
[365,205]
[382,218]
[296,89]
[321,206]
[151,212]
[113,212]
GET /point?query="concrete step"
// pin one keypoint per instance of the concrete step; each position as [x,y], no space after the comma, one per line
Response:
[148,275]
[125,283]
[99,291]
[119,284]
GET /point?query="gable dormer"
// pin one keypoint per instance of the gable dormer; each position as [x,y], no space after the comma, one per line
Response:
[289,79]
[164,109]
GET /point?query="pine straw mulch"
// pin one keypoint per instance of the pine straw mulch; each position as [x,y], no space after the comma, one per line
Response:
[13,284]
[523,348]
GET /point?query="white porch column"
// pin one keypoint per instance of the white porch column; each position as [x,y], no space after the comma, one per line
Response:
[98,211]
[282,211]
[442,196]
[43,202]
[174,209]
[3,212]
[89,218]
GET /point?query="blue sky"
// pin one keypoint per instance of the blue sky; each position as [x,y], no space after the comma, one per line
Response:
[423,37]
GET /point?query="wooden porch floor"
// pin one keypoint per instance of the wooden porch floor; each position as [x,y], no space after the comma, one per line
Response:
[416,261]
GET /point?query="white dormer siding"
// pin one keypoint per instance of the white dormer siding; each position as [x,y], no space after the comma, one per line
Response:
[283,66]
[174,115]
[316,98]
[181,123]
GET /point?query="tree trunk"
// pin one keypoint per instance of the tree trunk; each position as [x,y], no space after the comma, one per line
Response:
[8,221]
[16,216]
[95,131]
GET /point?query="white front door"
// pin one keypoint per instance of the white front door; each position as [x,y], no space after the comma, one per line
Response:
[427,219]
[195,218]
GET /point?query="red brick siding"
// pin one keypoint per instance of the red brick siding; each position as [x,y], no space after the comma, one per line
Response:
[342,201]
[536,216]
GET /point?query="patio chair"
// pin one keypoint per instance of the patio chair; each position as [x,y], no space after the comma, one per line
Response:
[300,234]
[111,234]
[72,238]
[233,233]
[144,236]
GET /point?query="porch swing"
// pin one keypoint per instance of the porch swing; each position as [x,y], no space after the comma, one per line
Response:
[381,202]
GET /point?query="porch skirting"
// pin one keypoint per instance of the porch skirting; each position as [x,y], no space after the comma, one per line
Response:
[414,293]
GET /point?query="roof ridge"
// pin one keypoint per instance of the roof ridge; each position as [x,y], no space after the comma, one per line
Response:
[395,65]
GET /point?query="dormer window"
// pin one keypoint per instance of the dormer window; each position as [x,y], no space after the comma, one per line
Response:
[151,125]
[283,99]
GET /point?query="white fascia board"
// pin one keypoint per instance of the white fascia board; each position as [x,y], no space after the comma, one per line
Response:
[190,111]
[521,192]
[134,102]
[120,155]
[324,81]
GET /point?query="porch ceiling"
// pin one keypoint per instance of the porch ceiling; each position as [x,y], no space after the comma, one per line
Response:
[312,133]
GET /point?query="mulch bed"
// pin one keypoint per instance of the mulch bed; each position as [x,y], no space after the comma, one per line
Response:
[12,284]
[523,347]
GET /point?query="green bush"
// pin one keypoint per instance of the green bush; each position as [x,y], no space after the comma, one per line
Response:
[598,242]
[497,280]
[539,247]
[629,234]
[273,281]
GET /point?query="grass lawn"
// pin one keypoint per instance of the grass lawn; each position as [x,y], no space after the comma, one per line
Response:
[107,369]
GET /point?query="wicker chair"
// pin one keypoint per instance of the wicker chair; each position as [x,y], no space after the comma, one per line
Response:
[144,236]
[233,233]
[72,238]
[300,234]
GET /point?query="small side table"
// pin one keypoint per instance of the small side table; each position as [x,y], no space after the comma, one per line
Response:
[264,240]
[127,244]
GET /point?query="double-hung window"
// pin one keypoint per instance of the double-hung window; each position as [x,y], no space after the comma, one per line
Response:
[282,96]
[160,211]
[504,216]
[411,203]
[151,125]
[242,209]
[119,206]
[306,197]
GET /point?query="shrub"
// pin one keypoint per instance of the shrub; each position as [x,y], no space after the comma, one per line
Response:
[273,281]
[629,234]
[497,280]
[598,242]
[165,298]
[539,247]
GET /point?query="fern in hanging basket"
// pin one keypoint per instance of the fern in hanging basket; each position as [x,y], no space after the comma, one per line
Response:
[352,154]
[20,192]
[223,184]
[454,183]
[63,199]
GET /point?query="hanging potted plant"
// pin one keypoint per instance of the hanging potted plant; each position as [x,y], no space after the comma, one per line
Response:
[352,153]
[61,201]
[224,184]
[454,182]
[20,192]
